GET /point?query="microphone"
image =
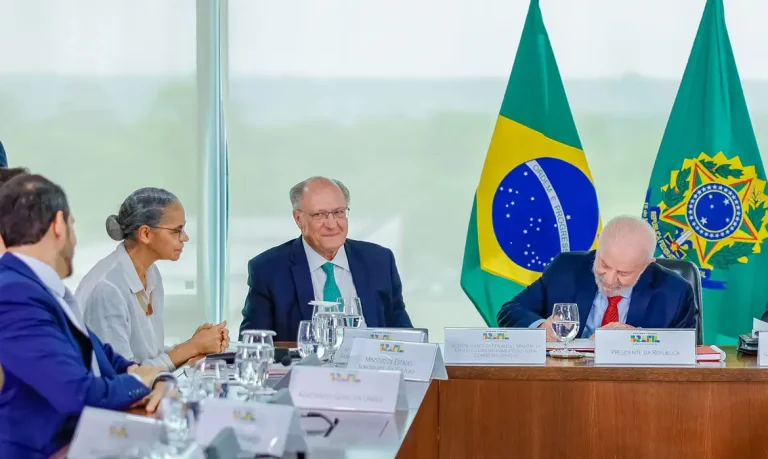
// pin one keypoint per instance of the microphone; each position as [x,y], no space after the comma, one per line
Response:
[286,360]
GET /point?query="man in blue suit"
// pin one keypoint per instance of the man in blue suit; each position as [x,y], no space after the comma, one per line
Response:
[618,286]
[53,365]
[321,265]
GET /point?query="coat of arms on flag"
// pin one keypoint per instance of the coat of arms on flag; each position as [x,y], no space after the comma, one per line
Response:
[711,213]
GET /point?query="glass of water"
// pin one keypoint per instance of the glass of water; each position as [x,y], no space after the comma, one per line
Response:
[252,362]
[565,325]
[212,378]
[329,330]
[353,310]
[306,339]
[259,337]
[179,413]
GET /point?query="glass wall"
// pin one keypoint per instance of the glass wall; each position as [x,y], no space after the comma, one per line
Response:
[101,98]
[398,99]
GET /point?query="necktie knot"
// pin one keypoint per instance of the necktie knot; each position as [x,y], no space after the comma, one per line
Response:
[612,312]
[614,300]
[327,268]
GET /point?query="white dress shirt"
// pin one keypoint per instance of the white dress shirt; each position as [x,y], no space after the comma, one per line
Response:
[50,278]
[599,306]
[341,272]
[112,310]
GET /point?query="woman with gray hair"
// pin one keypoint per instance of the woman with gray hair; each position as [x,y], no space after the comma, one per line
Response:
[122,296]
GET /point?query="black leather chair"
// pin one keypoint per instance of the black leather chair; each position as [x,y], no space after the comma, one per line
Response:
[689,272]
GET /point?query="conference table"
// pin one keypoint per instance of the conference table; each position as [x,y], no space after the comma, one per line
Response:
[572,408]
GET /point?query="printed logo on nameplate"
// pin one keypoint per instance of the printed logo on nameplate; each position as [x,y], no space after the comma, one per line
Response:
[417,361]
[645,347]
[103,433]
[328,388]
[261,428]
[381,334]
[495,346]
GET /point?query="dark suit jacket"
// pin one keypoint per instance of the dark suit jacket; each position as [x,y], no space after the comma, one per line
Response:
[660,299]
[47,365]
[281,288]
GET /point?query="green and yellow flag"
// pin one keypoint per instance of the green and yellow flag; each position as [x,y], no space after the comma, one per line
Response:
[536,197]
[706,197]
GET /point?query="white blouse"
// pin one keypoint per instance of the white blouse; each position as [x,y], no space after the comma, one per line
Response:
[109,295]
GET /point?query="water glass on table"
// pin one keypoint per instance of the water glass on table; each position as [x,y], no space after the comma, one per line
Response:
[259,337]
[329,330]
[211,378]
[252,362]
[353,311]
[306,340]
[565,326]
[179,413]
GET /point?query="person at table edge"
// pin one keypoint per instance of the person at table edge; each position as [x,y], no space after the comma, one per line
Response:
[617,286]
[323,265]
[53,365]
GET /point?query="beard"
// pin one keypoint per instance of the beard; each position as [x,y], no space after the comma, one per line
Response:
[607,289]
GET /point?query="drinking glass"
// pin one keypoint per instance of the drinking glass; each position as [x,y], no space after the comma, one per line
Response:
[306,339]
[324,306]
[212,378]
[252,363]
[565,326]
[265,337]
[353,310]
[329,329]
[259,337]
[179,414]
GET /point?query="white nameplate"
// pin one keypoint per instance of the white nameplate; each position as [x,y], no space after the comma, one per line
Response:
[384,334]
[417,361]
[328,388]
[261,428]
[103,433]
[645,346]
[762,349]
[496,346]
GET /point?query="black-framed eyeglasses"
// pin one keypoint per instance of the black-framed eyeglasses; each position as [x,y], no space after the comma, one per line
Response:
[324,432]
[175,231]
[338,214]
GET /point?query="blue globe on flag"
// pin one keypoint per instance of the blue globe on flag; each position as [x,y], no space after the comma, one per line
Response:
[541,208]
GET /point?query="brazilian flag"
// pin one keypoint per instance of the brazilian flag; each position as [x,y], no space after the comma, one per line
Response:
[536,197]
[706,198]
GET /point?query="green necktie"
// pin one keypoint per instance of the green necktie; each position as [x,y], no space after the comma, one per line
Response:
[331,291]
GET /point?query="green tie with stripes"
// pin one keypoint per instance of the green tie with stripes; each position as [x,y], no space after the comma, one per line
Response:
[331,291]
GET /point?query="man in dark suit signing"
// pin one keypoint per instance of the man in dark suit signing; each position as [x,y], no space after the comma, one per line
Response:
[321,265]
[617,286]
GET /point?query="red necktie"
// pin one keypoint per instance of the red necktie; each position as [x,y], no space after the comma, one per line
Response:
[612,313]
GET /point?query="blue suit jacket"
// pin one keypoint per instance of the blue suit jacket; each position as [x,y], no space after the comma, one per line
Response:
[660,298]
[47,365]
[281,288]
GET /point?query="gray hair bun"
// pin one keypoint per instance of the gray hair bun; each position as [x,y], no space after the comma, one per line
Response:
[114,230]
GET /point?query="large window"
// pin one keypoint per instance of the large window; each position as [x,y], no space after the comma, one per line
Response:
[100,97]
[399,99]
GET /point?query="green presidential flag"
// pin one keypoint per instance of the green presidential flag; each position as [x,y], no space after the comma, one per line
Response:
[535,198]
[706,198]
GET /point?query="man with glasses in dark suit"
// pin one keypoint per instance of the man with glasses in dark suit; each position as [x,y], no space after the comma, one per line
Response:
[322,265]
